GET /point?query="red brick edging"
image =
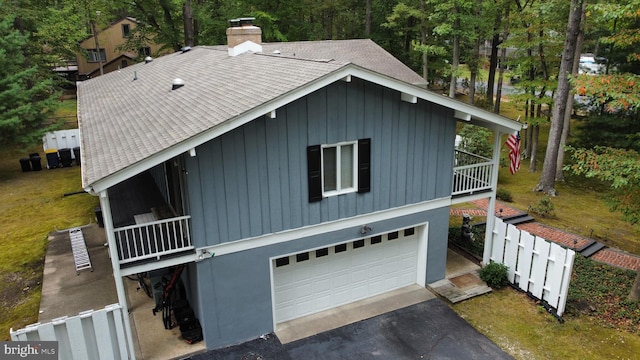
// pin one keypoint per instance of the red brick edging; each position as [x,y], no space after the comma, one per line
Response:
[613,257]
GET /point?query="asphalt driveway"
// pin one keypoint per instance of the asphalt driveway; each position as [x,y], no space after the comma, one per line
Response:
[429,330]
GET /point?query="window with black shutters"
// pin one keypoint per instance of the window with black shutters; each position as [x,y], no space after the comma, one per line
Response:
[339,168]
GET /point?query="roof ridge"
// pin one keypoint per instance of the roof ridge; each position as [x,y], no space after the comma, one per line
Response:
[294,57]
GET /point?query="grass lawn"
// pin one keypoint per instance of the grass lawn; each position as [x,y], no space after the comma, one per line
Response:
[599,322]
[526,331]
[32,204]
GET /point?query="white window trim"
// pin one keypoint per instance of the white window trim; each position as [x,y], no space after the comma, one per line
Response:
[339,190]
[96,56]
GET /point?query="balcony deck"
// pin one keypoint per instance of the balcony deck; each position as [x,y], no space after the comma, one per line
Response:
[472,174]
[145,227]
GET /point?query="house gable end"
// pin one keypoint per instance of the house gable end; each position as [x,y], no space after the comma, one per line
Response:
[253,180]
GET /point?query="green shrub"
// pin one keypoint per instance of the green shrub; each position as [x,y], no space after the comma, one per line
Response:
[544,208]
[495,275]
[504,195]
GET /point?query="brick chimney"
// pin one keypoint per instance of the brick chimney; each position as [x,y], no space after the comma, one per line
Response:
[243,36]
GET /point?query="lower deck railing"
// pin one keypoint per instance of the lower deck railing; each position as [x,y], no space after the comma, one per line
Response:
[153,239]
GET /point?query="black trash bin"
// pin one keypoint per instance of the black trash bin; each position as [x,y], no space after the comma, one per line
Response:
[24,164]
[76,154]
[53,161]
[36,164]
[65,157]
[99,219]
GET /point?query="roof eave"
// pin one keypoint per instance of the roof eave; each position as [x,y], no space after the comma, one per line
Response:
[477,115]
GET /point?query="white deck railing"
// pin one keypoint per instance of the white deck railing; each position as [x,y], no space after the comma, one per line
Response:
[153,239]
[471,173]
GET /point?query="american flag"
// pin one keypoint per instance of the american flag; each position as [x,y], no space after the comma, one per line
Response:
[513,142]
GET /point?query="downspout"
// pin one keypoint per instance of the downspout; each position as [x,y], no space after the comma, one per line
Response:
[117,277]
[491,212]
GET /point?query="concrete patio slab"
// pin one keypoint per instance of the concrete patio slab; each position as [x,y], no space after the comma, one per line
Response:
[67,293]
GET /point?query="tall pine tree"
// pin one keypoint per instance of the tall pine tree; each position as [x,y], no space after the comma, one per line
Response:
[27,95]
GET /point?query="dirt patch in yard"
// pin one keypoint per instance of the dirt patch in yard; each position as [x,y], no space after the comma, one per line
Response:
[17,287]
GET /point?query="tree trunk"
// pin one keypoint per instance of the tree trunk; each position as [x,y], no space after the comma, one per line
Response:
[634,295]
[569,110]
[503,61]
[95,39]
[535,130]
[454,66]
[547,179]
[474,62]
[493,60]
[367,18]
[423,41]
[474,68]
[187,17]
[166,10]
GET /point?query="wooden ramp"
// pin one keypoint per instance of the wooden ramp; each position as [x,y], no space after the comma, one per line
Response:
[79,249]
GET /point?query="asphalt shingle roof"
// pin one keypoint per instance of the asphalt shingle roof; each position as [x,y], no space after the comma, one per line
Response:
[124,121]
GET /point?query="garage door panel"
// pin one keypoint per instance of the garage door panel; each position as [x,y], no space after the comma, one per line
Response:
[320,283]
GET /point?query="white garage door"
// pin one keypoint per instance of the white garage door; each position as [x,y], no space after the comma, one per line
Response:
[321,279]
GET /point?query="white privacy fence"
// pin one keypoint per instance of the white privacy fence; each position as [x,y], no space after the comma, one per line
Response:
[61,139]
[536,266]
[90,335]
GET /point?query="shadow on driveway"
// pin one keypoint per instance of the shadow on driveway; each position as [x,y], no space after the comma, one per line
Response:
[429,330]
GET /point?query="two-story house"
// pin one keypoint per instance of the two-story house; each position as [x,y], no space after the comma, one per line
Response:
[287,178]
[107,52]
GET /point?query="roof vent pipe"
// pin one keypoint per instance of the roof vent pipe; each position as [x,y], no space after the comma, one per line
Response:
[185,49]
[177,83]
[148,59]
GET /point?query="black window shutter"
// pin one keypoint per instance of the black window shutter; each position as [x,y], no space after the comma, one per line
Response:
[364,165]
[314,170]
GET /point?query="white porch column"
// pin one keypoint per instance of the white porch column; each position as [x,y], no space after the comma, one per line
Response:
[117,276]
[491,212]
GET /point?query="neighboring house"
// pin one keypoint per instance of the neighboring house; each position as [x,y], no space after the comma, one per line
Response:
[111,57]
[289,178]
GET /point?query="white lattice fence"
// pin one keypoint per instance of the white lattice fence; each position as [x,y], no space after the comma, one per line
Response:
[537,266]
[90,335]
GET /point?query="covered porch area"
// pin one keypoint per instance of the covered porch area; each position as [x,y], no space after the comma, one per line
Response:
[146,227]
[66,293]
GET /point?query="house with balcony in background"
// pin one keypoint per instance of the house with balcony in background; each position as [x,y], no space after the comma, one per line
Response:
[284,178]
[108,53]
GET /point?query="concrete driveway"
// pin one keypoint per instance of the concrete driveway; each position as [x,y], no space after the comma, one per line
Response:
[428,330]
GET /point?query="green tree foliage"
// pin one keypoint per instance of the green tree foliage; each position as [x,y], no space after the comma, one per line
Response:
[620,168]
[476,140]
[611,130]
[27,95]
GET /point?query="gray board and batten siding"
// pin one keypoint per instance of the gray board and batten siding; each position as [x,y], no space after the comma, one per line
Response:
[253,180]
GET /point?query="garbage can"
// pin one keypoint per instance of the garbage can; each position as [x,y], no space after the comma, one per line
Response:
[65,157]
[35,158]
[53,161]
[24,164]
[76,154]
[99,219]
